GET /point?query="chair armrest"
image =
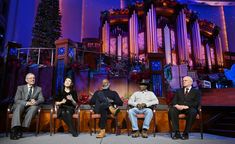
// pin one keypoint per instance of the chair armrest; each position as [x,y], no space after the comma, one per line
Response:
[54,108]
[39,110]
[200,110]
[77,109]
[128,107]
[154,108]
[92,107]
[10,108]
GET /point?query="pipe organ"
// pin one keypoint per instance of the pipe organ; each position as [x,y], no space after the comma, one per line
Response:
[165,27]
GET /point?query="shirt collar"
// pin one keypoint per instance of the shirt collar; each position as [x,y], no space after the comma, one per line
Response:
[189,88]
[144,91]
[29,86]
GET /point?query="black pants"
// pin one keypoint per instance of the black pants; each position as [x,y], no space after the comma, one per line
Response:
[66,114]
[104,111]
[174,113]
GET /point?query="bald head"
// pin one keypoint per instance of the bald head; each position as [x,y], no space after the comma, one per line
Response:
[187,81]
[105,84]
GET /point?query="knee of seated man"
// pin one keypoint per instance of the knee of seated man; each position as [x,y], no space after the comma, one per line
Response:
[172,109]
[68,112]
[18,107]
[192,111]
[149,111]
[33,107]
[131,111]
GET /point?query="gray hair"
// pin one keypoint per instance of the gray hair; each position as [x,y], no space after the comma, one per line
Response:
[29,74]
[188,77]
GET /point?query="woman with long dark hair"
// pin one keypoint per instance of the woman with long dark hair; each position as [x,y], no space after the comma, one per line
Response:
[67,101]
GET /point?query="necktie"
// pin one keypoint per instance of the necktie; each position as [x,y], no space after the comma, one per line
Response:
[29,94]
[186,91]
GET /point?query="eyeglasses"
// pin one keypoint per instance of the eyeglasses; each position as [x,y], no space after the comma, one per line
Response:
[31,78]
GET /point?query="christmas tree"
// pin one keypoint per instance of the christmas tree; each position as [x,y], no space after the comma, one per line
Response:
[47,26]
[46,30]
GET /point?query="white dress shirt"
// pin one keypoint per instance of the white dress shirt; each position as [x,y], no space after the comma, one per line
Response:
[147,97]
[29,89]
[189,88]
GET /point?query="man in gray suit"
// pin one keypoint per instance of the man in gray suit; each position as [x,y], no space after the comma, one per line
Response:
[27,100]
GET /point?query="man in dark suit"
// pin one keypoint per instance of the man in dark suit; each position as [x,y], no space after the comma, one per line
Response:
[186,100]
[27,100]
[104,100]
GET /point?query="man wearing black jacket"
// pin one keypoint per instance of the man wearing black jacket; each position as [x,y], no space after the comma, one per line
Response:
[104,100]
[186,100]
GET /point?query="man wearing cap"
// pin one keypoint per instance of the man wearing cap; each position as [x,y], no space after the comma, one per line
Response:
[186,101]
[141,101]
[104,101]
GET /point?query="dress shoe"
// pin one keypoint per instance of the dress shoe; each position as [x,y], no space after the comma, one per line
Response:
[13,134]
[19,132]
[177,135]
[184,136]
[75,134]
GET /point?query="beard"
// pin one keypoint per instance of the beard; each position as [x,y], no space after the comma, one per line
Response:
[106,86]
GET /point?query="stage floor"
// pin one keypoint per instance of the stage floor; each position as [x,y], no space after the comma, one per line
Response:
[84,138]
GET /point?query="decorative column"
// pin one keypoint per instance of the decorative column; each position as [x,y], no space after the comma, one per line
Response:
[182,37]
[133,35]
[65,51]
[167,43]
[219,51]
[151,26]
[196,41]
[208,55]
[119,46]
[123,4]
[105,38]
[223,32]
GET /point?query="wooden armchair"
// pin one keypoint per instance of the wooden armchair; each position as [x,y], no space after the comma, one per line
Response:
[184,116]
[94,117]
[9,116]
[142,116]
[54,116]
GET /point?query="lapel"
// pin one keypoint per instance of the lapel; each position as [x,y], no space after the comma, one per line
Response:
[25,90]
[182,92]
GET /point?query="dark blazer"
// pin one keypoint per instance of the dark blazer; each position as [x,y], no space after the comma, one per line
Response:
[105,97]
[192,99]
